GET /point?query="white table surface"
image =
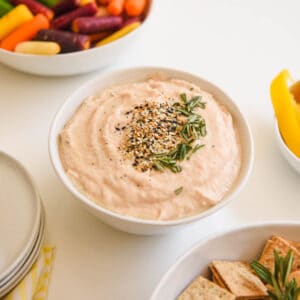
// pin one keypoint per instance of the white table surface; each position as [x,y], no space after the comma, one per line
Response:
[239,45]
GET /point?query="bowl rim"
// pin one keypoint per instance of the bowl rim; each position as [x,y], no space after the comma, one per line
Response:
[282,142]
[211,237]
[52,143]
[90,50]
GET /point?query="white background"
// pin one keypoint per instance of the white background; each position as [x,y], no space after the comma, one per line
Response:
[239,45]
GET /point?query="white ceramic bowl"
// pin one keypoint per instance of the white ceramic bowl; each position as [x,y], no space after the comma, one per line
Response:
[245,243]
[130,224]
[290,157]
[75,62]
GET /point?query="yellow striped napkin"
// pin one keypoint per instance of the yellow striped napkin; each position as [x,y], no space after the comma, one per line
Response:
[34,286]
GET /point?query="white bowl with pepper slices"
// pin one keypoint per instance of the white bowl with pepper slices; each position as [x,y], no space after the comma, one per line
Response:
[150,149]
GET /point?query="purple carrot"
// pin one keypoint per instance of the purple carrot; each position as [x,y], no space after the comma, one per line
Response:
[64,21]
[131,20]
[92,25]
[64,6]
[35,7]
[68,41]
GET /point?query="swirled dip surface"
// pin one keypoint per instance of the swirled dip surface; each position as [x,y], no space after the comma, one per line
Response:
[91,150]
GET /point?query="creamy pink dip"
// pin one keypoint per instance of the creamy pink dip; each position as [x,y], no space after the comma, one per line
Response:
[89,148]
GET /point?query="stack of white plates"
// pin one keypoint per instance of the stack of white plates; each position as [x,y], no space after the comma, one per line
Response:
[22,222]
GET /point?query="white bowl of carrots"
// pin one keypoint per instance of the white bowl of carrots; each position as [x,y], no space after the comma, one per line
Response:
[68,37]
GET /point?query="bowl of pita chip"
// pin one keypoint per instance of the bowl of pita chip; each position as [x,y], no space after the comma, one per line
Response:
[260,261]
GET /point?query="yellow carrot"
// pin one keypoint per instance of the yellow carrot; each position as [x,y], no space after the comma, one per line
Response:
[25,32]
[118,34]
[37,47]
[284,107]
[16,17]
[84,2]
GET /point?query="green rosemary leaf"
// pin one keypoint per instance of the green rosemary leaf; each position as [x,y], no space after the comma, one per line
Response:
[183,111]
[287,266]
[158,166]
[272,295]
[182,151]
[203,131]
[178,191]
[202,105]
[183,97]
[176,169]
[277,265]
[197,147]
[276,287]
[263,273]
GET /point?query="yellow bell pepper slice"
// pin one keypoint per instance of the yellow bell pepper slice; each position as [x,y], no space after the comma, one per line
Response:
[295,90]
[284,107]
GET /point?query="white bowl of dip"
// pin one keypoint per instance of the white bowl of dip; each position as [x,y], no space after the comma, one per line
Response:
[242,244]
[288,155]
[119,77]
[76,62]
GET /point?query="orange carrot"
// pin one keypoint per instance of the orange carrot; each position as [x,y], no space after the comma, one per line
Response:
[115,7]
[25,32]
[135,8]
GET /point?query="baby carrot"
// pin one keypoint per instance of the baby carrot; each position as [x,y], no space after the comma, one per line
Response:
[68,41]
[118,34]
[16,17]
[35,7]
[115,7]
[64,6]
[65,20]
[135,8]
[5,7]
[37,47]
[25,32]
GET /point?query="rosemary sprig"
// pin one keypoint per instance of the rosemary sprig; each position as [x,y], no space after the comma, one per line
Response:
[162,161]
[280,287]
[194,128]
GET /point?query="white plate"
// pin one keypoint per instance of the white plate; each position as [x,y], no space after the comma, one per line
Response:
[20,210]
[20,272]
[244,243]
